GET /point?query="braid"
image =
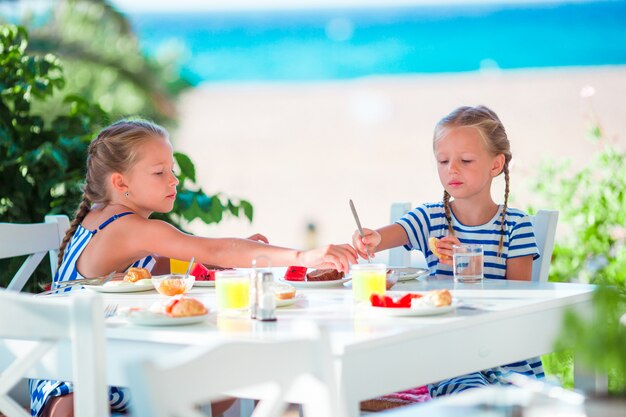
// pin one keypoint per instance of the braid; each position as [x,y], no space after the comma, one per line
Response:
[81,212]
[446,206]
[506,201]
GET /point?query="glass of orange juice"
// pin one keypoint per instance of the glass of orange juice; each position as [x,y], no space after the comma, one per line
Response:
[177,266]
[232,289]
[368,279]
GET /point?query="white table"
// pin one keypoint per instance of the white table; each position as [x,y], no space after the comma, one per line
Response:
[502,322]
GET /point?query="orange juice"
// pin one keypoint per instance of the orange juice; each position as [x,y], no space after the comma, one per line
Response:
[232,290]
[368,279]
[178,267]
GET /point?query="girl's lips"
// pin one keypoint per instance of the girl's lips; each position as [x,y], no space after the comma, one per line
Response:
[172,196]
[455,183]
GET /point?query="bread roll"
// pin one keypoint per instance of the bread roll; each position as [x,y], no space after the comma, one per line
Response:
[185,307]
[135,274]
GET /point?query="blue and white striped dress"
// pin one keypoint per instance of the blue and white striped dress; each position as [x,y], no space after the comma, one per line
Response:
[41,390]
[429,220]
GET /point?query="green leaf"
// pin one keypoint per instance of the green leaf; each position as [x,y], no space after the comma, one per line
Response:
[247,209]
[187,168]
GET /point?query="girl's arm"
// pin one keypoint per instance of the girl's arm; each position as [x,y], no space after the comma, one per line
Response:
[379,240]
[520,268]
[154,236]
[162,265]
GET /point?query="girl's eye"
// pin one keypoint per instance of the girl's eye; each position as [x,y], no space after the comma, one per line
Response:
[443,162]
[466,161]
[158,173]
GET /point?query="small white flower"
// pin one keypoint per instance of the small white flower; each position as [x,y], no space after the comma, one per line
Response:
[587,91]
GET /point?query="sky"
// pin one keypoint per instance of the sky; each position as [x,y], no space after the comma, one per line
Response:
[131,6]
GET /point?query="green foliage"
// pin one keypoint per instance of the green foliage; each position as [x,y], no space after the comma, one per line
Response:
[42,162]
[41,165]
[103,61]
[592,205]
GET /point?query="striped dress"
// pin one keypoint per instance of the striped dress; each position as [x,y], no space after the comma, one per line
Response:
[429,220]
[41,390]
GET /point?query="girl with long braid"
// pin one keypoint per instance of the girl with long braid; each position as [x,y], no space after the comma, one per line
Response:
[471,148]
[130,175]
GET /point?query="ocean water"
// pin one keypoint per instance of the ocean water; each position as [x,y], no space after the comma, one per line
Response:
[345,44]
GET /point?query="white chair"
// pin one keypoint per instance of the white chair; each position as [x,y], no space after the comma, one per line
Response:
[544,225]
[399,257]
[35,240]
[299,371]
[39,334]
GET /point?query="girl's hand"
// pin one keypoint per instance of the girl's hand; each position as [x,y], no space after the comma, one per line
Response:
[257,237]
[337,257]
[370,240]
[444,247]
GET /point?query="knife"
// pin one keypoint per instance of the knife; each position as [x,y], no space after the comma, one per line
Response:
[358,225]
[84,281]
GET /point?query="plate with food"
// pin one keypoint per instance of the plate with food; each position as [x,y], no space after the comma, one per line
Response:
[412,304]
[408,273]
[144,284]
[319,278]
[176,312]
[135,280]
[285,294]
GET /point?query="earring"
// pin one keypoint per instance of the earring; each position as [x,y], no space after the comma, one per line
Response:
[126,194]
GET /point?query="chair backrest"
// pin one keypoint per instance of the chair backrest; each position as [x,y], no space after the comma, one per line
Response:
[544,225]
[273,372]
[36,338]
[398,256]
[34,240]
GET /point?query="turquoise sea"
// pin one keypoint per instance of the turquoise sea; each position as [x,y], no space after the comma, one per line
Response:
[351,43]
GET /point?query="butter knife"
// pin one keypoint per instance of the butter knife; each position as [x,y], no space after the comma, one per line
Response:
[358,225]
[84,281]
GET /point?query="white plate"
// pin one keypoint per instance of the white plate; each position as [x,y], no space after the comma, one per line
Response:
[146,318]
[288,302]
[406,274]
[405,312]
[204,283]
[124,288]
[316,284]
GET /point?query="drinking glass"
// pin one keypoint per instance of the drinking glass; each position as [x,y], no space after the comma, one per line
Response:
[232,289]
[467,263]
[177,266]
[368,279]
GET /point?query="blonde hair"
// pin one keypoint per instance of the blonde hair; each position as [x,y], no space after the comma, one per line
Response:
[115,149]
[491,130]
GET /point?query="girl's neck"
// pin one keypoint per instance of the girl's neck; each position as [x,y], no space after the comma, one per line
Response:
[119,207]
[474,213]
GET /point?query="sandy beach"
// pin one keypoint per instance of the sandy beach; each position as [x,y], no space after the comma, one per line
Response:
[298,152]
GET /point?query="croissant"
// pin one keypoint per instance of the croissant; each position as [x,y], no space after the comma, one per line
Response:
[135,274]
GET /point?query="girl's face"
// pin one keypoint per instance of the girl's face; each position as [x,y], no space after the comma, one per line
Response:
[151,181]
[464,164]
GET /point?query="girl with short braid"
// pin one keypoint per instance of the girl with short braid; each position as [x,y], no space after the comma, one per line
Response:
[130,175]
[471,148]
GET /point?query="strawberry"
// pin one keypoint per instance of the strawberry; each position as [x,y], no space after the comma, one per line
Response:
[376,300]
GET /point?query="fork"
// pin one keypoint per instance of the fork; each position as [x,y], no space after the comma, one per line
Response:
[110,310]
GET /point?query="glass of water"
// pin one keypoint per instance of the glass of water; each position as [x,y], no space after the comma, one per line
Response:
[468,263]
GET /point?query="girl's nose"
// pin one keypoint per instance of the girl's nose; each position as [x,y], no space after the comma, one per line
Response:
[174,179]
[453,166]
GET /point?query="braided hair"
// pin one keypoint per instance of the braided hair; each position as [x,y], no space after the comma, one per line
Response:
[115,149]
[491,130]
